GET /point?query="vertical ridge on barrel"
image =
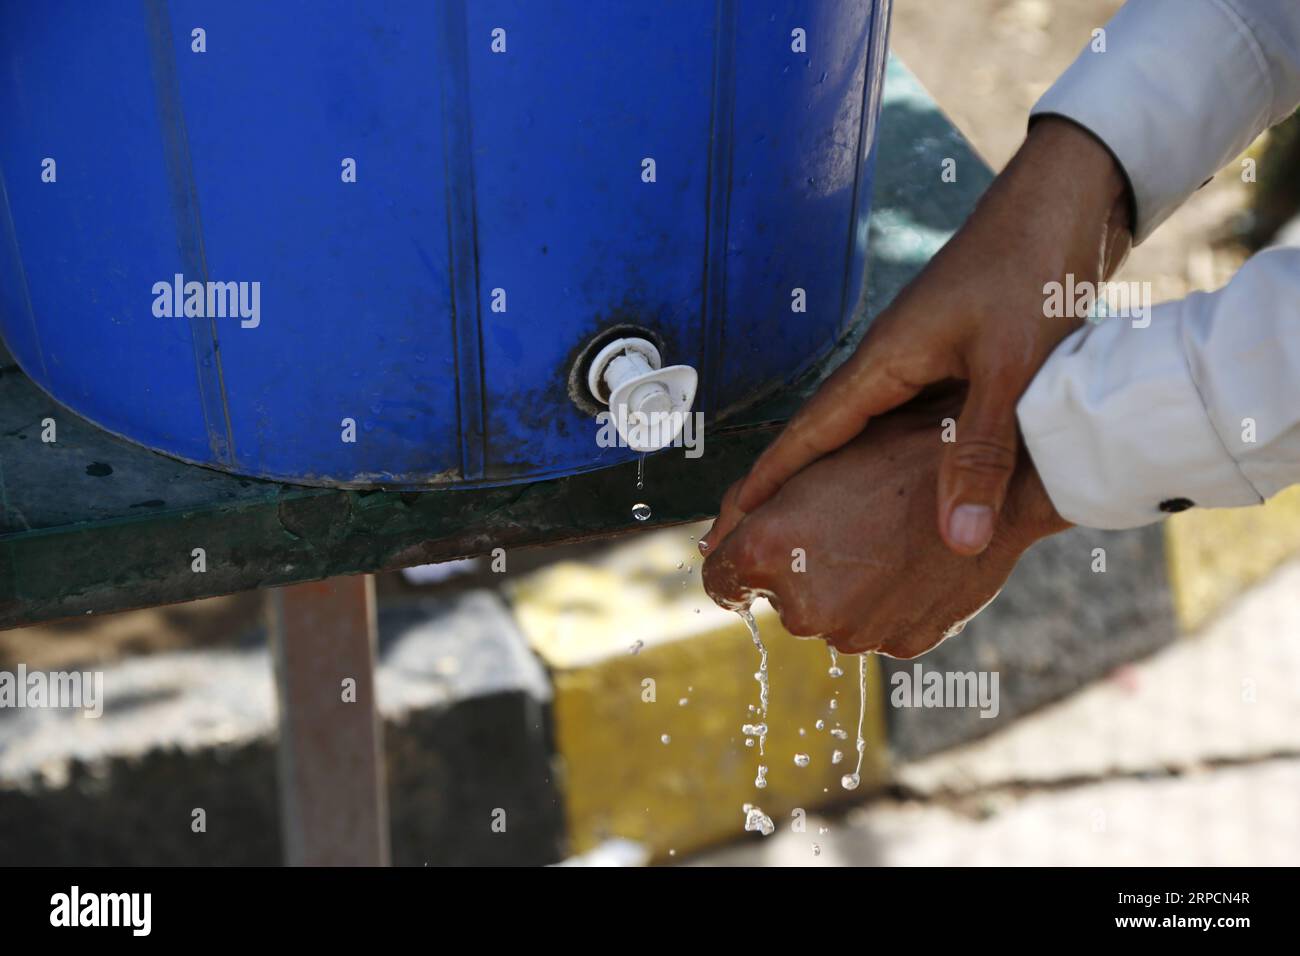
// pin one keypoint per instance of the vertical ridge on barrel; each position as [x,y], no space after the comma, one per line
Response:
[718,200]
[189,230]
[453,66]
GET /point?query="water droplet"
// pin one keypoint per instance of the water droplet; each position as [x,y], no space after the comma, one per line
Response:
[835,704]
[665,739]
[682,702]
[817,851]
[836,671]
[837,756]
[680,565]
[641,512]
[820,725]
[754,730]
[850,781]
[636,647]
[839,733]
[749,741]
[761,780]
[823,830]
[801,760]
[802,732]
[758,821]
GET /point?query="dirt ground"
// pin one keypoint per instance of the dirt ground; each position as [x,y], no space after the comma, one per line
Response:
[985,62]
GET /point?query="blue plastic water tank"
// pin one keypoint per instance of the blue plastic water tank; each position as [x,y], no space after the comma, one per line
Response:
[500,220]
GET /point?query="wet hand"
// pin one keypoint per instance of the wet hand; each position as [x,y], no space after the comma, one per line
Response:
[847,549]
[975,313]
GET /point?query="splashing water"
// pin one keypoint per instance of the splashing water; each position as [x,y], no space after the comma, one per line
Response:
[757,820]
[641,512]
[760,676]
[850,781]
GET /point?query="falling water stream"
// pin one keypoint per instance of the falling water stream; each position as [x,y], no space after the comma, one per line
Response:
[850,781]
[755,818]
[759,729]
[756,727]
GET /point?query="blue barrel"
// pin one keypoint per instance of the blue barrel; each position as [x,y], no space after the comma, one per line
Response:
[229,229]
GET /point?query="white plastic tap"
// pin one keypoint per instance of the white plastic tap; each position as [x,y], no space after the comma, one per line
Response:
[649,403]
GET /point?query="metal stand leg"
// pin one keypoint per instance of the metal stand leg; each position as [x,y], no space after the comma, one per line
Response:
[333,801]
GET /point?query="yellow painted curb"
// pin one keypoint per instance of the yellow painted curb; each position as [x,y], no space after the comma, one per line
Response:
[691,678]
[1215,554]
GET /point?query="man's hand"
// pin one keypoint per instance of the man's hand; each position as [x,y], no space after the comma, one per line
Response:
[876,574]
[975,313]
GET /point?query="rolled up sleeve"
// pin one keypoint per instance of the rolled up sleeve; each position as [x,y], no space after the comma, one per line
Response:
[1127,422]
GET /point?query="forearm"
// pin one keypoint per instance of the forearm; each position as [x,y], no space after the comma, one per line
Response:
[1177,88]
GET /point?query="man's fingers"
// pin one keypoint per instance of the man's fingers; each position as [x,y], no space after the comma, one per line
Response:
[839,410]
[728,517]
[732,573]
[977,466]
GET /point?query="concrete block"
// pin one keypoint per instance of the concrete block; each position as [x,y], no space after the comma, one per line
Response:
[1057,626]
[466,713]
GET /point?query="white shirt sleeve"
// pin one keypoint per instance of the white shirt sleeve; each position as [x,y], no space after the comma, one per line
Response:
[1176,89]
[1198,404]
[1130,420]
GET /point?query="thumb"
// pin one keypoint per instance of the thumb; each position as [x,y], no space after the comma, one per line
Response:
[977,466]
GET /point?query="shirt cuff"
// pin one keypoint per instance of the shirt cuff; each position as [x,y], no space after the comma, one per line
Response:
[1118,430]
[1175,93]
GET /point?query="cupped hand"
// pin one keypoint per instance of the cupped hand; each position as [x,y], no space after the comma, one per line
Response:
[975,313]
[847,549]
